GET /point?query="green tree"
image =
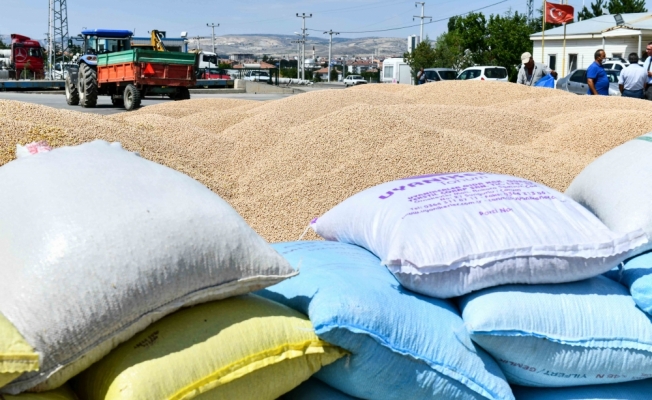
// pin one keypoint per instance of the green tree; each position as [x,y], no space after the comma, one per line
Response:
[626,6]
[449,52]
[334,74]
[423,56]
[224,66]
[3,45]
[508,37]
[472,30]
[594,11]
[288,72]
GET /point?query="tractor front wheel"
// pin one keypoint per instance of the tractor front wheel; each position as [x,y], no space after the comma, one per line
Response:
[131,97]
[87,84]
[72,94]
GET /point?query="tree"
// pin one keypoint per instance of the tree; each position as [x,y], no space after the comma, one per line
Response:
[449,52]
[596,10]
[472,31]
[3,45]
[288,72]
[423,56]
[334,74]
[508,37]
[626,6]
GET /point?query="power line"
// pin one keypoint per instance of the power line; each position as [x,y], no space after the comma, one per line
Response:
[426,23]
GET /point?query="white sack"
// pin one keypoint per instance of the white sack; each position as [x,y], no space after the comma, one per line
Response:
[617,187]
[449,234]
[96,243]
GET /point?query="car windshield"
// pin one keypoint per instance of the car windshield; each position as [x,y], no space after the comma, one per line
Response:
[495,73]
[432,75]
[448,75]
[215,71]
[355,77]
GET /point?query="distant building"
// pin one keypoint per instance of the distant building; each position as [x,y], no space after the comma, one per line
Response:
[583,38]
[242,57]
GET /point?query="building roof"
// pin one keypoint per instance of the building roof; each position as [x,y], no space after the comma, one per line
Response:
[603,23]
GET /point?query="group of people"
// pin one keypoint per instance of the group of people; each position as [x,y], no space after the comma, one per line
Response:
[635,80]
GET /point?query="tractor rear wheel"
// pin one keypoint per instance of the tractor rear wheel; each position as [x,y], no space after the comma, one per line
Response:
[131,97]
[87,83]
[72,95]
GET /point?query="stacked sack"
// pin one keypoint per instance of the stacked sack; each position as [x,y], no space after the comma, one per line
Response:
[103,249]
[493,264]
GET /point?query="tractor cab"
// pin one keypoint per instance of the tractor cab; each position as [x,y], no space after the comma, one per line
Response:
[101,41]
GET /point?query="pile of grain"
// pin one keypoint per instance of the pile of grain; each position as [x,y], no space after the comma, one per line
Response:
[283,162]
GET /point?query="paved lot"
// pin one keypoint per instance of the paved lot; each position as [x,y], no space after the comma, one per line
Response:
[104,102]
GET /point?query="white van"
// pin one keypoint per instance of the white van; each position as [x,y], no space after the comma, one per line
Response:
[396,70]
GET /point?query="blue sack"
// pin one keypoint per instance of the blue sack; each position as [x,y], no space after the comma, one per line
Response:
[314,389]
[547,81]
[572,334]
[636,274]
[403,345]
[638,390]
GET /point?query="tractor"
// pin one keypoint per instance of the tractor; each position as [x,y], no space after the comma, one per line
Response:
[110,67]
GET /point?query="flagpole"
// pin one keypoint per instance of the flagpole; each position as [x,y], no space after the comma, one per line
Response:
[543,30]
[563,57]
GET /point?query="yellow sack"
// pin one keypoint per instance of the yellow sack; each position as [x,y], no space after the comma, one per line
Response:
[240,348]
[62,393]
[16,355]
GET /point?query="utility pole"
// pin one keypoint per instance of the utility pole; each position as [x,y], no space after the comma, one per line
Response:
[422,17]
[211,25]
[330,51]
[303,45]
[57,31]
[298,42]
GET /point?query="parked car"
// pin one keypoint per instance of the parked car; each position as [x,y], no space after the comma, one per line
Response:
[258,76]
[352,80]
[575,82]
[616,63]
[484,73]
[440,74]
[212,73]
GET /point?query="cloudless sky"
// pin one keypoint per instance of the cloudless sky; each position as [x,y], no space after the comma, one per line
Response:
[30,17]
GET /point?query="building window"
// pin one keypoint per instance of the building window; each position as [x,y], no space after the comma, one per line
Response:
[617,55]
[389,71]
[572,62]
[552,61]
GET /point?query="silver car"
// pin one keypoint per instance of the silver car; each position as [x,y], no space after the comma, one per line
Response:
[575,82]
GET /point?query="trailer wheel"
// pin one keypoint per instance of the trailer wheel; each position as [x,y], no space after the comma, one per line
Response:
[87,86]
[131,97]
[72,94]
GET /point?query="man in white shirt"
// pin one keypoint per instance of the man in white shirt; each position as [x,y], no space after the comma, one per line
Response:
[632,79]
[648,70]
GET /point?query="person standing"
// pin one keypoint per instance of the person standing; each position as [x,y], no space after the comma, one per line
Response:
[632,79]
[530,71]
[648,70]
[596,76]
[421,76]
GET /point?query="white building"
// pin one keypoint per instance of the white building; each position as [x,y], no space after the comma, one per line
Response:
[583,38]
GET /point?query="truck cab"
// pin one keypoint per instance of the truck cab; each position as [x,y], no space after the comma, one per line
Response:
[26,57]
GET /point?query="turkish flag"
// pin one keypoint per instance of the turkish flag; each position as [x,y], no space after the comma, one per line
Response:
[558,13]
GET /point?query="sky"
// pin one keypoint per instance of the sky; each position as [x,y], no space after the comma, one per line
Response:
[351,17]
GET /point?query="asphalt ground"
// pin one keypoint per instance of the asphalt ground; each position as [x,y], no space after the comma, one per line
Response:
[104,106]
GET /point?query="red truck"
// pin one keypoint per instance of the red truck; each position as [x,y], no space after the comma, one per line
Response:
[25,58]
